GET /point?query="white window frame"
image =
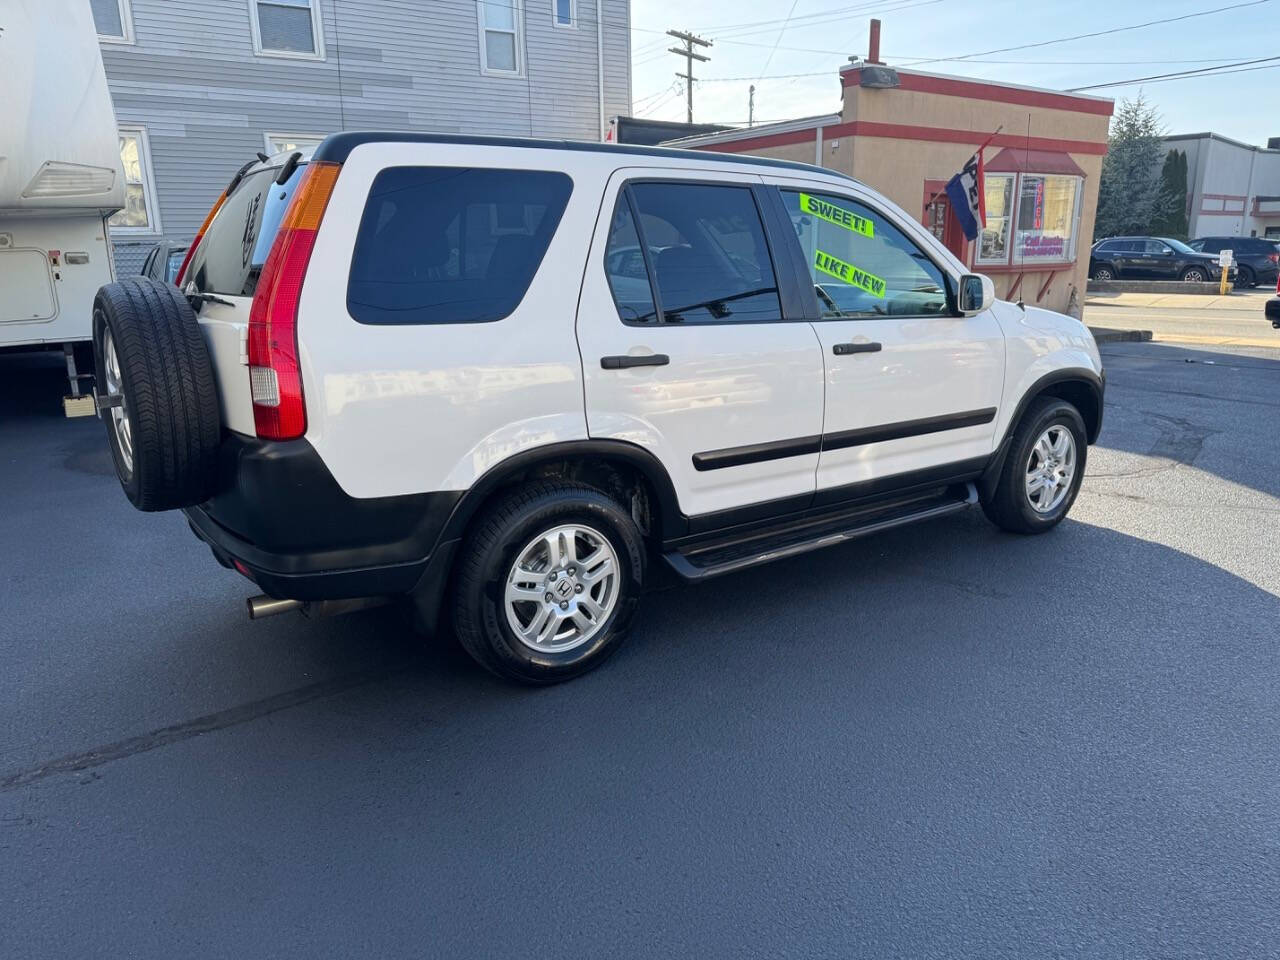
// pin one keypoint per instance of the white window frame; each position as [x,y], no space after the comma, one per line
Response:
[148,185]
[1014,260]
[573,16]
[126,25]
[1069,254]
[1009,224]
[271,150]
[317,34]
[517,10]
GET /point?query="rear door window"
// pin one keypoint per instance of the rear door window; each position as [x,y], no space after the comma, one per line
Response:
[452,244]
[706,247]
[234,248]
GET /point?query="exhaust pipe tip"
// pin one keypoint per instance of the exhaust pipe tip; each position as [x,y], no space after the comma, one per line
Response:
[264,606]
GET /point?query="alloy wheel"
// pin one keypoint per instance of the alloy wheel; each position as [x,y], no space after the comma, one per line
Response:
[562,588]
[1050,469]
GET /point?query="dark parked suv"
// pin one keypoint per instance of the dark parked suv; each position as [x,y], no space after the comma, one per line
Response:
[1257,259]
[1152,258]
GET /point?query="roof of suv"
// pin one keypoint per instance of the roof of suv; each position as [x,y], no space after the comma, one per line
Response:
[338,146]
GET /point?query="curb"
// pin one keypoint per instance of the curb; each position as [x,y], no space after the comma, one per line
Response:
[1107,335]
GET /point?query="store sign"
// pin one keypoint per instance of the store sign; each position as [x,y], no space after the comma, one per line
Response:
[1042,247]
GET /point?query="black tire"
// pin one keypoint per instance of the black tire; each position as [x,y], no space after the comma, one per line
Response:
[1195,275]
[1008,506]
[1246,279]
[1104,272]
[490,552]
[170,397]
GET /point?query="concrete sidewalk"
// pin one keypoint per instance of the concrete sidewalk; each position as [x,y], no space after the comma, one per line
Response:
[1249,302]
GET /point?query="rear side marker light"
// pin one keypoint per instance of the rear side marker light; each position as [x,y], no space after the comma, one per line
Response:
[275,376]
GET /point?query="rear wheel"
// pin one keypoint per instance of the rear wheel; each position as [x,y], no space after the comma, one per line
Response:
[1246,279]
[1043,470]
[548,582]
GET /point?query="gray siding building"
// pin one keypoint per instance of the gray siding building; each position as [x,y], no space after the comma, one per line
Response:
[199,87]
[1233,188]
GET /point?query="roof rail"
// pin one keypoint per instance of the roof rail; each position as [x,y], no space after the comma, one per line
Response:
[338,146]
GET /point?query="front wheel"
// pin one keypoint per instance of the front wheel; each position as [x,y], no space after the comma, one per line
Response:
[1194,275]
[1103,272]
[548,582]
[1043,470]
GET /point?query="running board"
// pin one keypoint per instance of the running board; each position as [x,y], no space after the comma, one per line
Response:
[728,554]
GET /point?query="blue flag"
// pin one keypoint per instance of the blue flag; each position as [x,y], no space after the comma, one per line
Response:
[968,197]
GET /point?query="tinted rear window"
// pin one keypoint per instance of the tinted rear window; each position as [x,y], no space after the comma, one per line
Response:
[235,246]
[452,244]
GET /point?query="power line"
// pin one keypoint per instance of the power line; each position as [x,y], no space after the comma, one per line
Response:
[1098,33]
[878,9]
[781,30]
[1176,75]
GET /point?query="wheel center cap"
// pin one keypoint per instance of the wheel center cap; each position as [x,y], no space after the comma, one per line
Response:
[563,588]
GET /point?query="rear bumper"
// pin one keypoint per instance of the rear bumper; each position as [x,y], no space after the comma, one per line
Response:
[281,519]
[1272,310]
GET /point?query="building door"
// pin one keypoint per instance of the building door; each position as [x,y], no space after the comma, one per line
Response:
[943,224]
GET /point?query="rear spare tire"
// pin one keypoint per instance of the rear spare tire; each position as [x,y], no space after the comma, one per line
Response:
[164,433]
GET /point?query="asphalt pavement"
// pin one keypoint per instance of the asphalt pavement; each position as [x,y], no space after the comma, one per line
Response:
[941,741]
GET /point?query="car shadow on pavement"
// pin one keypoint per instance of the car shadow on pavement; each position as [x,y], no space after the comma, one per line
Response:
[856,738]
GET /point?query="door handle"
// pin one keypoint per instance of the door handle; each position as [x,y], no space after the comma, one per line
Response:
[844,349]
[625,361]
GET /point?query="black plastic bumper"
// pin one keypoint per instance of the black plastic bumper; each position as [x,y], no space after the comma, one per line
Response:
[281,519]
[1273,311]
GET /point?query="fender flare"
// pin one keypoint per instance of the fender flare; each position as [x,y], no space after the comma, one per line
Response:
[673,521]
[1096,384]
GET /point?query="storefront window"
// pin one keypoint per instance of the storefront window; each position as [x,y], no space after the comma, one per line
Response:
[1046,217]
[995,236]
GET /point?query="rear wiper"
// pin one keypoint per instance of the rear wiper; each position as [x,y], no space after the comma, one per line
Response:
[290,165]
[208,298]
[235,181]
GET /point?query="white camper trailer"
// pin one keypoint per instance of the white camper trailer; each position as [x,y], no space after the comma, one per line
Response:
[60,179]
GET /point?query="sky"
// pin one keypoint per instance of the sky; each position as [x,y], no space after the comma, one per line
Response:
[755,42]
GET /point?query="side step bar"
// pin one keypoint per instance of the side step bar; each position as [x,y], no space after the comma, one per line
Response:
[728,555]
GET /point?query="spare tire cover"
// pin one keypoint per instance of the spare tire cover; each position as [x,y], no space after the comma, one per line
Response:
[164,434]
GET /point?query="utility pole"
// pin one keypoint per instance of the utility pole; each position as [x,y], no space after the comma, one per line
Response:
[690,41]
[751,105]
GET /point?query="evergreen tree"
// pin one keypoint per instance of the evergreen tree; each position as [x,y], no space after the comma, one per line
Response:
[1173,196]
[1129,197]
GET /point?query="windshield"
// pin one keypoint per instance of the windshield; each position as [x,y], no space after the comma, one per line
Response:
[234,248]
[1177,245]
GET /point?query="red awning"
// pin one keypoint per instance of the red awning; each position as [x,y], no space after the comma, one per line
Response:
[1015,160]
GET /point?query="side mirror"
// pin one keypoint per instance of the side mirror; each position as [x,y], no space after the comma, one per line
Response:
[977,293]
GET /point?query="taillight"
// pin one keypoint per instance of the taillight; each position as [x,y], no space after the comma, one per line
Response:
[1274,257]
[182,270]
[275,378]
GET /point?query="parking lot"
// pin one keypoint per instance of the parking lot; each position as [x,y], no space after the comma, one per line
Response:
[939,741]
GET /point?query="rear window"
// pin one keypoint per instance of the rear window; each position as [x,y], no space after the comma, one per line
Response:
[229,258]
[452,244]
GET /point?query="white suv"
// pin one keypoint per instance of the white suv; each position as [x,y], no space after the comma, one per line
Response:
[507,379]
